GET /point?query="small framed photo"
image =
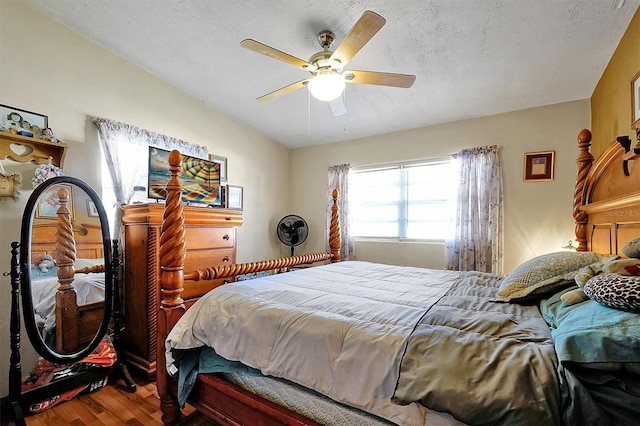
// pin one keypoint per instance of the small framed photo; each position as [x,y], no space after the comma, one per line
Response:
[22,122]
[49,203]
[234,197]
[635,101]
[92,211]
[223,165]
[539,166]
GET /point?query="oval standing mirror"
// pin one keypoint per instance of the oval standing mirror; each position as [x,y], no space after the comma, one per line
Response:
[65,269]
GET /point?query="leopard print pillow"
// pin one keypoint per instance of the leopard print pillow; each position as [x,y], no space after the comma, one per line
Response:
[615,291]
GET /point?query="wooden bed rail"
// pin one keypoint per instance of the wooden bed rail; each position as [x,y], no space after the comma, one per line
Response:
[225,271]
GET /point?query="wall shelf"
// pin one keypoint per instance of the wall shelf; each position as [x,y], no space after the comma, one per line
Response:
[24,149]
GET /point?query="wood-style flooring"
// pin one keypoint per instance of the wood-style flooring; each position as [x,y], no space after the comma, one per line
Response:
[111,405]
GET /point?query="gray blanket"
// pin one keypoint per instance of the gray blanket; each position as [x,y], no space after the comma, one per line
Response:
[482,361]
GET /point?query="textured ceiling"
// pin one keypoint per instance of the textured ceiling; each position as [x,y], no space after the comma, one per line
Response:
[472,58]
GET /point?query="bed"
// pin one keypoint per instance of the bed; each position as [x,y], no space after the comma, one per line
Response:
[360,343]
[68,316]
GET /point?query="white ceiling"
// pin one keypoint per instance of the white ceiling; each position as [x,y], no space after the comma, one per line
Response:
[472,58]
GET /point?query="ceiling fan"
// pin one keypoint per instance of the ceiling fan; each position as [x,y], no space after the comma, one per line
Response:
[329,78]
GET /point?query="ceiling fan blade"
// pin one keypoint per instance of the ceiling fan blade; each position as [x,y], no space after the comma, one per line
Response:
[283,91]
[366,27]
[379,78]
[337,107]
[256,46]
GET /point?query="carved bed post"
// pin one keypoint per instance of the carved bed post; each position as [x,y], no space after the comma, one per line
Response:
[334,229]
[584,162]
[172,254]
[66,298]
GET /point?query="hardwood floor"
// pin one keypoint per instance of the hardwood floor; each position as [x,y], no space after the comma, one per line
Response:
[111,405]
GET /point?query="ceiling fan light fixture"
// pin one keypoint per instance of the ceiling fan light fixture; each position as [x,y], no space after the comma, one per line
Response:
[327,86]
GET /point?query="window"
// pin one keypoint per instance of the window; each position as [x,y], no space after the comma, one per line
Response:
[109,199]
[406,201]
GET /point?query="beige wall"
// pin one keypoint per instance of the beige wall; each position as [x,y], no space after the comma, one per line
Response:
[538,215]
[49,69]
[611,99]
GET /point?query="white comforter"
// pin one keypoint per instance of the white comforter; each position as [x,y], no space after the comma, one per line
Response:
[89,288]
[339,329]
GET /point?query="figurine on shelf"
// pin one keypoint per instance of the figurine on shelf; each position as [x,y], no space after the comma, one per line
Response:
[47,135]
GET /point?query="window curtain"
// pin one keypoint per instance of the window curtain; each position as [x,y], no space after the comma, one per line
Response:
[120,143]
[478,244]
[339,179]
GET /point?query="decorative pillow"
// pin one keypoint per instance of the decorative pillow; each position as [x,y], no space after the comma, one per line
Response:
[48,272]
[632,248]
[543,274]
[615,291]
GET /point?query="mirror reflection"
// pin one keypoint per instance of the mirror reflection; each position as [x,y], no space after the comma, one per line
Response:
[67,268]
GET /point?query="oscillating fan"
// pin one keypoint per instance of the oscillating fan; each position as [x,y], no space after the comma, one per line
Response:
[292,231]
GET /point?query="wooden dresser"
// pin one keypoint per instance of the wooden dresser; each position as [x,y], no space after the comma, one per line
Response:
[211,241]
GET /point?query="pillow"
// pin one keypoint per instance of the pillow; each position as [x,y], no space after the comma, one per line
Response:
[632,248]
[592,334]
[615,291]
[36,272]
[543,274]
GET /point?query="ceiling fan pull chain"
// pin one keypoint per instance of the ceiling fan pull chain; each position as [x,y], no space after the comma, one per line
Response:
[308,113]
[344,116]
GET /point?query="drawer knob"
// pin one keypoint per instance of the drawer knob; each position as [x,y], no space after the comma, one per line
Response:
[225,259]
[227,218]
[225,237]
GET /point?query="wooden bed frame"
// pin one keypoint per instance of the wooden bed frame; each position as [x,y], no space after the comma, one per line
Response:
[606,212]
[76,325]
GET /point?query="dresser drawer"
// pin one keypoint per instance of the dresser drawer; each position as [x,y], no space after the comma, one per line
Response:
[200,237]
[200,259]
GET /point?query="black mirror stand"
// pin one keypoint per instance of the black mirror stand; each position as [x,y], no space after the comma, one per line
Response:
[17,400]
[15,369]
[118,328]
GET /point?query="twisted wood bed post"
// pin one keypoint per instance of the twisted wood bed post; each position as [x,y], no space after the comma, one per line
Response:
[334,229]
[172,278]
[584,162]
[65,257]
[172,254]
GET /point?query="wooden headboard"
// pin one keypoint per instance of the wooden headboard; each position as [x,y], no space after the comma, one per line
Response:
[606,200]
[88,239]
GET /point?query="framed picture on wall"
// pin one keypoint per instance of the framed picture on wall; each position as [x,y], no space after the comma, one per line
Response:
[92,211]
[234,197]
[635,101]
[223,165]
[539,166]
[22,122]
[49,203]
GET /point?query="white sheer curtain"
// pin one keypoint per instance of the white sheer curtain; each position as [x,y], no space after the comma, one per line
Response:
[478,244]
[125,149]
[339,179]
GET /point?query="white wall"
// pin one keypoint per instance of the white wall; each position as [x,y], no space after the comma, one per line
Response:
[51,70]
[538,215]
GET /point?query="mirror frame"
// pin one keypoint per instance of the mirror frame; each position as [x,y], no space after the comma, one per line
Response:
[25,276]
